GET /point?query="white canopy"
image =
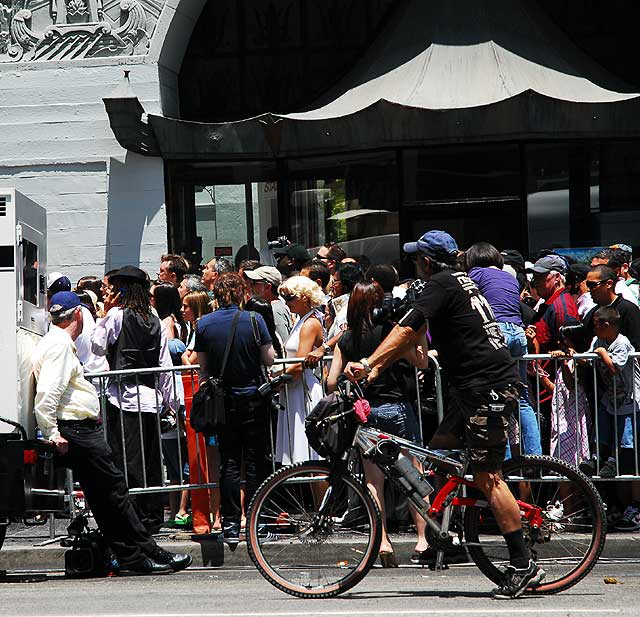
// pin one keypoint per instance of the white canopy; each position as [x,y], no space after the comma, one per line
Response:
[453,54]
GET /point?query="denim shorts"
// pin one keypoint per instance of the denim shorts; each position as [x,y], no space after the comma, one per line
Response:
[607,426]
[397,419]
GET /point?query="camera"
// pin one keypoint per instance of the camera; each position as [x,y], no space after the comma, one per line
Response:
[268,390]
[394,309]
[279,243]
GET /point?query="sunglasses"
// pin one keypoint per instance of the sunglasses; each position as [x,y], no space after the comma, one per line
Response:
[320,257]
[593,284]
[288,297]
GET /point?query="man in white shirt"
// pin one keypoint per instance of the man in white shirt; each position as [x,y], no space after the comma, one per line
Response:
[67,411]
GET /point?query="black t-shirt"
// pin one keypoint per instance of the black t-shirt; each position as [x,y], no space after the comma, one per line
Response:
[391,384]
[629,320]
[463,329]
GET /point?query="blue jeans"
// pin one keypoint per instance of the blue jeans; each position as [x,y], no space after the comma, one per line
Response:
[516,342]
[397,419]
[607,424]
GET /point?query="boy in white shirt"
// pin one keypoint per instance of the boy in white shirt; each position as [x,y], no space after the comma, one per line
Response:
[617,405]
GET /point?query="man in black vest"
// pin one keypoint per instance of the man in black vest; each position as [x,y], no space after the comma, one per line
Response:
[132,337]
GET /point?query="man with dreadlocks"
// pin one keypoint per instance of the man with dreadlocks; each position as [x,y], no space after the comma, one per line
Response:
[132,337]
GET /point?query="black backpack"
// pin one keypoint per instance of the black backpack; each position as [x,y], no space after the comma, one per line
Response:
[331,439]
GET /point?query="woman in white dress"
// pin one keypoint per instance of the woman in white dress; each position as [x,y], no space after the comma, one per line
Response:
[303,297]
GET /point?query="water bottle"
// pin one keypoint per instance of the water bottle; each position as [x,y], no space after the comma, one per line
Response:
[411,476]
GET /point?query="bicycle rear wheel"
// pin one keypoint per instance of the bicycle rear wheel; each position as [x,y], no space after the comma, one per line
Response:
[311,538]
[571,537]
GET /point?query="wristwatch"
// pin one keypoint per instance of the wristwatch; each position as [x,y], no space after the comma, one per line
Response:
[365,364]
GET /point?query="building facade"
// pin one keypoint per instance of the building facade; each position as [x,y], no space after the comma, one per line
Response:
[184,170]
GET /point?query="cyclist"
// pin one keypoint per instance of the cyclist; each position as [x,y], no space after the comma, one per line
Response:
[485,386]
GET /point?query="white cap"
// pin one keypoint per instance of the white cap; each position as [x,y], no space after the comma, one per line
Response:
[53,277]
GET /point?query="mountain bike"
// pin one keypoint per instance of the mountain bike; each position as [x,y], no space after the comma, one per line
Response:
[314,530]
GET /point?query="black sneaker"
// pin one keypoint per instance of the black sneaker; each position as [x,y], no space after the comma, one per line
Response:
[517,581]
[231,534]
[588,467]
[608,470]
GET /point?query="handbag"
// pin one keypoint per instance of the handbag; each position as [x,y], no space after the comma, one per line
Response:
[208,413]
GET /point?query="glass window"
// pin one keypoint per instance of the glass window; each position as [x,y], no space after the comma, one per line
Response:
[229,216]
[618,194]
[469,173]
[354,203]
[548,197]
[472,192]
[29,272]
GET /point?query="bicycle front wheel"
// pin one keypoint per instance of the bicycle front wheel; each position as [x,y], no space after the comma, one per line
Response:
[570,539]
[310,536]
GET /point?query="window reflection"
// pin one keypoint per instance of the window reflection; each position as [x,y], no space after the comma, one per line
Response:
[354,204]
[30,272]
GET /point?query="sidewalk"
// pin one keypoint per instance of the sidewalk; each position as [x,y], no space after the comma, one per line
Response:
[21,550]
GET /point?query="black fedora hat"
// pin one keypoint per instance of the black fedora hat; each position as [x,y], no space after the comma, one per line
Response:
[131,273]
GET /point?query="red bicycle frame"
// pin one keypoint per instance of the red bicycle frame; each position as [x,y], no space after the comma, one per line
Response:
[532,513]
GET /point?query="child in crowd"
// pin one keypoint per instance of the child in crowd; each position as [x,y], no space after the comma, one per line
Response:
[617,405]
[570,417]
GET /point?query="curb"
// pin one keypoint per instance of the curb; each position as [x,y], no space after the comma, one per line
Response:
[210,551]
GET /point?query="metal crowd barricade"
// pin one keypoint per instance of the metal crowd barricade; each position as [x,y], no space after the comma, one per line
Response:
[127,384]
[125,387]
[597,400]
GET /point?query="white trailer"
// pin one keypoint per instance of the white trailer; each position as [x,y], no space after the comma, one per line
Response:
[28,482]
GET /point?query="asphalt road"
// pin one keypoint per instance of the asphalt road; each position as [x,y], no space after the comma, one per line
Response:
[243,593]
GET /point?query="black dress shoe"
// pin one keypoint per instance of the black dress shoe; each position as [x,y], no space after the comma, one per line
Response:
[176,561]
[146,566]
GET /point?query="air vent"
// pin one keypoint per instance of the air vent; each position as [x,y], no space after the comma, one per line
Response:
[3,206]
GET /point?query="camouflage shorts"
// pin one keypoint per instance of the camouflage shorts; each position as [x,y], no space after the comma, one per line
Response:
[480,419]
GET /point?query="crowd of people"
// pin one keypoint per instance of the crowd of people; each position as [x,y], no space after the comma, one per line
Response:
[242,317]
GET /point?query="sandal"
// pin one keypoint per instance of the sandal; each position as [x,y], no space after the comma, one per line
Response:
[388,559]
[182,521]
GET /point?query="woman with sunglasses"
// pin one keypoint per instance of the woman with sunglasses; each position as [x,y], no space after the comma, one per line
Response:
[303,297]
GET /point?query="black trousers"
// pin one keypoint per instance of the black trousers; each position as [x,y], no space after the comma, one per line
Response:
[150,508]
[90,459]
[243,440]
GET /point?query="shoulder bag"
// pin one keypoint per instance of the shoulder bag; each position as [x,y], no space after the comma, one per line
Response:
[208,413]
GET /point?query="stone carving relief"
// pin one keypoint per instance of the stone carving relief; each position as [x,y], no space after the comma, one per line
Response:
[37,30]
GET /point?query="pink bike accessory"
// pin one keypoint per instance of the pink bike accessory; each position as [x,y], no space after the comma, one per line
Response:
[362,410]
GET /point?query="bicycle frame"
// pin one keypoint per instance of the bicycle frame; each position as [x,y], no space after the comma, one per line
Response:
[366,439]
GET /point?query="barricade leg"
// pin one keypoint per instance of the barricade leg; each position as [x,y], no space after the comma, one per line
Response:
[197,465]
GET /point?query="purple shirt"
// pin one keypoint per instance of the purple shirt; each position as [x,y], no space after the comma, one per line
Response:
[501,290]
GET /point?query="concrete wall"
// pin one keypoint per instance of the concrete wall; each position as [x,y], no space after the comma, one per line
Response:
[106,206]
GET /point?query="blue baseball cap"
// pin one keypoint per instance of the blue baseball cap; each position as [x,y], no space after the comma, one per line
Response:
[63,301]
[435,243]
